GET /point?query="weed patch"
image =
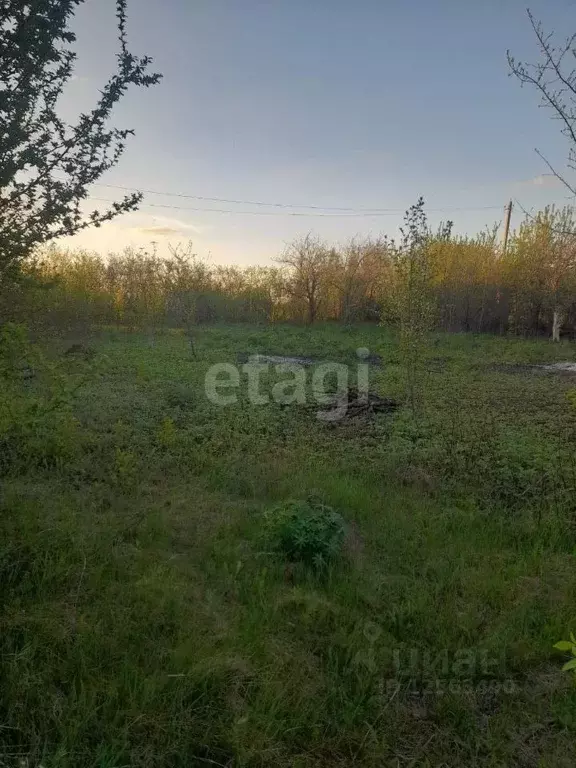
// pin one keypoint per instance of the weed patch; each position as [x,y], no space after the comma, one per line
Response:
[164,604]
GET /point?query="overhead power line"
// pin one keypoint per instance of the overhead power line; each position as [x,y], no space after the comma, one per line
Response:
[252,213]
[237,202]
[366,211]
[360,214]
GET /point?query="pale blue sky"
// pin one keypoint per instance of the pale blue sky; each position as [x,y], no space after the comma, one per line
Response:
[364,104]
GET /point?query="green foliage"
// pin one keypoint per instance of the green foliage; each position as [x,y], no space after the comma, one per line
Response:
[539,269]
[37,427]
[509,469]
[48,165]
[429,280]
[146,623]
[570,646]
[309,531]
[34,434]
[15,350]
[414,297]
[167,433]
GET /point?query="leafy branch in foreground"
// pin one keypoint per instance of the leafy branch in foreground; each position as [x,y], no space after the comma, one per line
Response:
[47,164]
[568,645]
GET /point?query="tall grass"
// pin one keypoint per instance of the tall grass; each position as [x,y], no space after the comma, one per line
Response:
[145,623]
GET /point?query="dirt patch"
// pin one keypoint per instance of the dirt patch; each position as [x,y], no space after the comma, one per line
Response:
[256,359]
[560,368]
[79,350]
[280,360]
[352,405]
[512,368]
[372,360]
[542,369]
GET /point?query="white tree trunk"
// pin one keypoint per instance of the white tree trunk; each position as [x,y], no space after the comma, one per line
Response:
[557,324]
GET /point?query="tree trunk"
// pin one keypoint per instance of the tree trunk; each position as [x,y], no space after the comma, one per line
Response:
[311,311]
[557,324]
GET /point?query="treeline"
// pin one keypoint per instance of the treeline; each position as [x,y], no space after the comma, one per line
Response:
[471,284]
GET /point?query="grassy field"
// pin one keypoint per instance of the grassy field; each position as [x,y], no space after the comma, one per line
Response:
[147,622]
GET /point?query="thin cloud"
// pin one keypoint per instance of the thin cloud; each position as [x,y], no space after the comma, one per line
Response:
[162,226]
[79,79]
[161,231]
[543,180]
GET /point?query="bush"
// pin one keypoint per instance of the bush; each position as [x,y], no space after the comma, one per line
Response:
[307,531]
[35,433]
[37,427]
[15,350]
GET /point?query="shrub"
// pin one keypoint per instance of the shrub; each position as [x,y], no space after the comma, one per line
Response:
[37,426]
[34,433]
[15,350]
[308,531]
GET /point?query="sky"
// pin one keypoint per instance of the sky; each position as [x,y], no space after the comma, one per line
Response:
[319,103]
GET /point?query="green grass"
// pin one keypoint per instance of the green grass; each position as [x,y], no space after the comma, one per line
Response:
[145,623]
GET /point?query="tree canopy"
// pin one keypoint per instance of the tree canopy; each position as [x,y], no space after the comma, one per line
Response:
[47,164]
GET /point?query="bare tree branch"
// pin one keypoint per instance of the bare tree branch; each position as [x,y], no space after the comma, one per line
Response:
[556,85]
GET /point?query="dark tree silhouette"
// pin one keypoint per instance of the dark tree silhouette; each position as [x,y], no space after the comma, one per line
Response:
[46,164]
[554,78]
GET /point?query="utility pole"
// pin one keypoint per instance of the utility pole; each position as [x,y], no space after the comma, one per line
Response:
[508,214]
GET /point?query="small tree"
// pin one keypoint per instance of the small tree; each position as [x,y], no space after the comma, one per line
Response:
[307,258]
[356,270]
[540,268]
[414,296]
[46,164]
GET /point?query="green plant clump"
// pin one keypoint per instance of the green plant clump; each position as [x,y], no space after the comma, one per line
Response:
[308,531]
[568,645]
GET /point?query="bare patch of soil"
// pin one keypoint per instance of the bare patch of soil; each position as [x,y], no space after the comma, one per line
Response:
[542,369]
[353,404]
